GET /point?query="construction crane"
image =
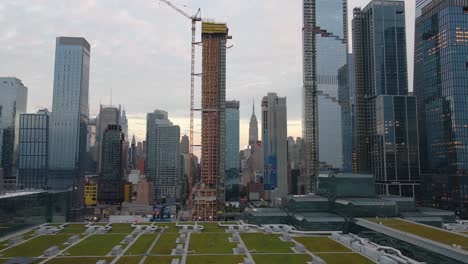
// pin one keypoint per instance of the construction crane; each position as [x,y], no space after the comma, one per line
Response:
[195,18]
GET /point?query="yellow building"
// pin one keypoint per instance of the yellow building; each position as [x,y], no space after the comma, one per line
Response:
[128,192]
[90,194]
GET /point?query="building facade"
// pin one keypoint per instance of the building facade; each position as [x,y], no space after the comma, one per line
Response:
[111,180]
[33,161]
[385,139]
[108,115]
[13,102]
[440,82]
[275,149]
[69,118]
[232,180]
[253,128]
[184,145]
[344,96]
[163,160]
[209,197]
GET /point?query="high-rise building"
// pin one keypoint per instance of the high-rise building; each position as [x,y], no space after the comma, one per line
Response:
[162,160]
[13,102]
[331,56]
[111,181]
[344,96]
[420,4]
[33,161]
[232,176]
[440,86]
[275,148]
[209,197]
[108,115]
[69,118]
[253,128]
[310,119]
[386,138]
[124,124]
[132,155]
[184,145]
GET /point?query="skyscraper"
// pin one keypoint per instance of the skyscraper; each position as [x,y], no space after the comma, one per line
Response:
[110,184]
[69,118]
[108,115]
[420,4]
[310,119]
[275,149]
[386,137]
[162,160]
[331,56]
[253,128]
[232,181]
[184,145]
[13,102]
[33,161]
[344,96]
[124,124]
[209,198]
[440,86]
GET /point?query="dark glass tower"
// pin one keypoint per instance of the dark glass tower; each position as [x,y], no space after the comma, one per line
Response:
[385,136]
[440,85]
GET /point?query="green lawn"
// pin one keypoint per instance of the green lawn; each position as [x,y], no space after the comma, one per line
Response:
[321,244]
[96,245]
[73,229]
[80,260]
[141,245]
[438,235]
[121,228]
[266,243]
[165,244]
[129,260]
[3,260]
[171,227]
[213,228]
[211,243]
[207,259]
[36,246]
[347,258]
[160,259]
[281,259]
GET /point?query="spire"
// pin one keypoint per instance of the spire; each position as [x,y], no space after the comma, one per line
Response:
[133,140]
[253,106]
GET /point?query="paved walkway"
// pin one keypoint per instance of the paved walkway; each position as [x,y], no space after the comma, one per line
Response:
[142,261]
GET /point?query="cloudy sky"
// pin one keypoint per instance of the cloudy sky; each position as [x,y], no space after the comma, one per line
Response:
[141,52]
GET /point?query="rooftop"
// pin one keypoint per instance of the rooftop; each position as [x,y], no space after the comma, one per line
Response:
[15,194]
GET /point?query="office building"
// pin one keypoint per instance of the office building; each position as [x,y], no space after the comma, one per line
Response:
[162,160]
[253,128]
[232,176]
[386,139]
[310,119]
[111,180]
[344,97]
[124,124]
[69,118]
[331,56]
[440,86]
[33,161]
[108,115]
[184,145]
[275,149]
[13,102]
[420,4]
[209,197]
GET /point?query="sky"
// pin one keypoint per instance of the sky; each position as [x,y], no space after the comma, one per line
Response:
[140,53]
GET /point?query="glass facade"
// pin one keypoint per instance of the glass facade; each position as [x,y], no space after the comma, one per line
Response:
[110,188]
[344,96]
[440,85]
[385,138]
[33,151]
[232,180]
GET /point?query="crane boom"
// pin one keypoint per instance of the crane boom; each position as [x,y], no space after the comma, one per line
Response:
[195,17]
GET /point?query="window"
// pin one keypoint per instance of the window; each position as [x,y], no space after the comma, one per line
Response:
[465,9]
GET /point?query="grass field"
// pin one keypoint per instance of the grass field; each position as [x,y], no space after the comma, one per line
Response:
[321,244]
[165,244]
[215,259]
[129,260]
[121,228]
[266,243]
[213,228]
[96,245]
[160,259]
[438,235]
[281,258]
[347,258]
[211,243]
[73,229]
[36,246]
[141,245]
[80,260]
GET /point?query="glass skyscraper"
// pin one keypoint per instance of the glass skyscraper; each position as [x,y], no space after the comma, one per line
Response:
[33,161]
[232,177]
[69,118]
[385,137]
[440,86]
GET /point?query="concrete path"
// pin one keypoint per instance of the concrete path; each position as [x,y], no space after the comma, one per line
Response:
[65,249]
[187,242]
[142,261]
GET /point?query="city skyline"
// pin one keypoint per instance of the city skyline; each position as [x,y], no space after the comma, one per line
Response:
[152,72]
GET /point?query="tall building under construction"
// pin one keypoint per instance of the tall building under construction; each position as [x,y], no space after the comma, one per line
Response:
[209,196]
